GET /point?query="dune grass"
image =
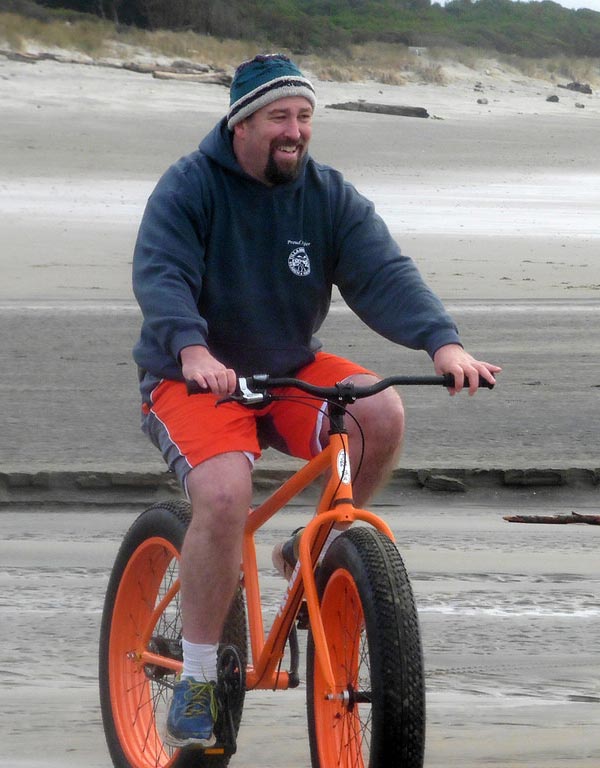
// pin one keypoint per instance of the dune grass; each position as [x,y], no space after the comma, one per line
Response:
[101,39]
[387,63]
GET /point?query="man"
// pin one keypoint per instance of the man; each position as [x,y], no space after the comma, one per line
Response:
[236,256]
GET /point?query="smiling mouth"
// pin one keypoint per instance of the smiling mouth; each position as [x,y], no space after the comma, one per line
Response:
[289,149]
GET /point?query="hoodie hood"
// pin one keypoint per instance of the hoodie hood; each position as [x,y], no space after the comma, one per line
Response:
[218,146]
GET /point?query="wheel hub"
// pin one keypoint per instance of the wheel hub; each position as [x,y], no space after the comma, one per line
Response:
[163,646]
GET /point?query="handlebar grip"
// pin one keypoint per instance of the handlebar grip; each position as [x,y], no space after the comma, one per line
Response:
[193,388]
[483,383]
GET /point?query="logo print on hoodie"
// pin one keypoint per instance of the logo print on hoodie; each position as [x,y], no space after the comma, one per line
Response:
[298,262]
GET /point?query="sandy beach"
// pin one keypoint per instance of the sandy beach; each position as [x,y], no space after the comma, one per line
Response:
[495,200]
[499,204]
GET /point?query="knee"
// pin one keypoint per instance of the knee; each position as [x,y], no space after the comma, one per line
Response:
[383,421]
[220,495]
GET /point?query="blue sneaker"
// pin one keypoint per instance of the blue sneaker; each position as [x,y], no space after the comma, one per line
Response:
[192,714]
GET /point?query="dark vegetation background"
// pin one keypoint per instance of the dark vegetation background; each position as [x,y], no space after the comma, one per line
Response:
[532,29]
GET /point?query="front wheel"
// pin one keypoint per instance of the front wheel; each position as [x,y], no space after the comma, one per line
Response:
[375,717]
[141,614]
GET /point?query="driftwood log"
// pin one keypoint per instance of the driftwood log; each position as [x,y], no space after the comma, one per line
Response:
[578,87]
[574,517]
[381,109]
[180,70]
[213,78]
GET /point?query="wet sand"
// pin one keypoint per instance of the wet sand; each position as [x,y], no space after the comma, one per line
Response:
[499,203]
[509,617]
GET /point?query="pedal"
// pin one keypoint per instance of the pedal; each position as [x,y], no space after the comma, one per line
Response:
[231,688]
[216,751]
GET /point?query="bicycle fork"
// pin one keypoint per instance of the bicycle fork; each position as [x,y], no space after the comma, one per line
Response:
[336,507]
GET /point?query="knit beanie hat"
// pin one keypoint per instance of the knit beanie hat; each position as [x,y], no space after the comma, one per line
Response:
[262,80]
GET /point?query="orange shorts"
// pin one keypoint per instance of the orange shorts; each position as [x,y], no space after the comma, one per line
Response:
[190,430]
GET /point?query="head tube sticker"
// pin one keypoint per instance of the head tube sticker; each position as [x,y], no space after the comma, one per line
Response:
[343,466]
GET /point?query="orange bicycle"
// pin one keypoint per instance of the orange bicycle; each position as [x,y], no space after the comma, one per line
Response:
[364,670]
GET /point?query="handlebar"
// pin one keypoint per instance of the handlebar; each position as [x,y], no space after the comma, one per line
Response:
[257,388]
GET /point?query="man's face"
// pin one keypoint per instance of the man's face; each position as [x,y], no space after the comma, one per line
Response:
[271,143]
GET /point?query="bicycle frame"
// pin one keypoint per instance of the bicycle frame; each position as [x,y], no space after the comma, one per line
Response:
[335,506]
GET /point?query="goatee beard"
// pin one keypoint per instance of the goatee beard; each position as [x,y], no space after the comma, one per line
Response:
[276,175]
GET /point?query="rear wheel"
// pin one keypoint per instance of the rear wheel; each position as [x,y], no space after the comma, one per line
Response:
[375,717]
[141,613]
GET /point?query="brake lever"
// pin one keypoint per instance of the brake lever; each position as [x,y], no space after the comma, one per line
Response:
[242,394]
[247,395]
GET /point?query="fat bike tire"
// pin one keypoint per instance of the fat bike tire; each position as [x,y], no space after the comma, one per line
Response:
[141,612]
[376,716]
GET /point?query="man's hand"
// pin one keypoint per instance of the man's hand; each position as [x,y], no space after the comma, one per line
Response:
[197,364]
[453,359]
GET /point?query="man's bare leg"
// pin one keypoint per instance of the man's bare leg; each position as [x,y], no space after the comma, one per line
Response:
[220,490]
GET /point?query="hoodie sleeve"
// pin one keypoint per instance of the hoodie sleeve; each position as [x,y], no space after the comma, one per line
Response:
[168,265]
[381,284]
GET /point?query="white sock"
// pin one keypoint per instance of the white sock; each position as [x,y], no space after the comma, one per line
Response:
[199,660]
